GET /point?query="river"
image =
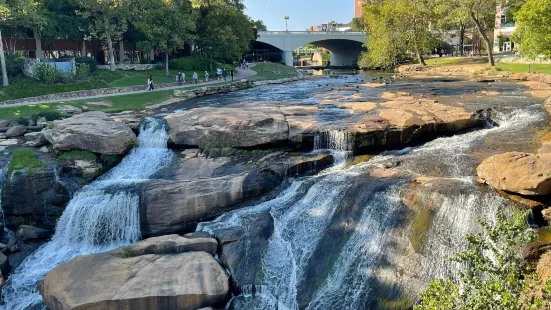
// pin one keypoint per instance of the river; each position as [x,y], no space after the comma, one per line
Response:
[345,238]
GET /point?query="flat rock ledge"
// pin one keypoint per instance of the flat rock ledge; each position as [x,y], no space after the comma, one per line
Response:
[91,131]
[519,173]
[400,120]
[128,278]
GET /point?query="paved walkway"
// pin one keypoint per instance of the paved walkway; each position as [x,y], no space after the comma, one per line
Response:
[243,74]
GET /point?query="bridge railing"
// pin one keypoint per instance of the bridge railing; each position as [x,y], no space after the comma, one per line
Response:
[320,33]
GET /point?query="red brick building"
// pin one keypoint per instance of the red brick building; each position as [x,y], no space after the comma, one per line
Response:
[359,8]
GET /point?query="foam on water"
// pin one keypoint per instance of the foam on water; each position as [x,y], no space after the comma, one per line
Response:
[100,217]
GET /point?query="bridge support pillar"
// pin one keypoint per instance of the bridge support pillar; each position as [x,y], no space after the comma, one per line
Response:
[288,58]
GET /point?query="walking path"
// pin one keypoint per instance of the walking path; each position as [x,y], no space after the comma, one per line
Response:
[243,74]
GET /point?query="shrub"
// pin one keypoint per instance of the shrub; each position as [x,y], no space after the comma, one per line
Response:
[14,64]
[493,273]
[47,74]
[83,70]
[92,62]
[78,154]
[195,63]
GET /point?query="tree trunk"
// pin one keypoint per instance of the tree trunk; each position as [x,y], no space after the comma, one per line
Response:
[38,43]
[3,62]
[421,59]
[461,39]
[484,38]
[83,50]
[152,55]
[166,63]
[121,52]
[111,53]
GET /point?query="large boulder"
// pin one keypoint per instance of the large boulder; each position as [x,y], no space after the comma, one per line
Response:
[91,131]
[16,131]
[516,172]
[35,139]
[177,205]
[215,127]
[43,195]
[122,279]
[27,232]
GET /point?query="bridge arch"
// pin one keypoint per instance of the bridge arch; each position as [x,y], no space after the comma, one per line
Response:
[345,47]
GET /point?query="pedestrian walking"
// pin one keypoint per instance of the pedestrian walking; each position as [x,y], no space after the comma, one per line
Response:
[224,74]
[232,74]
[179,78]
[150,84]
[195,77]
[206,76]
[219,73]
[183,78]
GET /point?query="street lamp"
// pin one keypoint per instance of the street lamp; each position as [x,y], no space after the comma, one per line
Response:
[286,19]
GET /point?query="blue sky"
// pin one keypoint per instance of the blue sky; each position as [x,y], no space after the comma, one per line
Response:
[302,13]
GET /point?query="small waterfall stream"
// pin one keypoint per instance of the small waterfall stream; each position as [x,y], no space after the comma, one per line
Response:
[101,216]
[305,214]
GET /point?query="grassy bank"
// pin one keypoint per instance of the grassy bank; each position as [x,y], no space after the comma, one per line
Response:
[508,67]
[273,71]
[117,103]
[27,87]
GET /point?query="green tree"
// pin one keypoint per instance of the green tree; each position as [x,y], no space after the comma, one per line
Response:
[357,24]
[260,26]
[534,28]
[108,21]
[224,32]
[397,28]
[166,24]
[16,13]
[480,12]
[494,274]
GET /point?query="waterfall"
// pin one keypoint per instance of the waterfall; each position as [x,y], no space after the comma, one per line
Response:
[3,172]
[340,142]
[101,216]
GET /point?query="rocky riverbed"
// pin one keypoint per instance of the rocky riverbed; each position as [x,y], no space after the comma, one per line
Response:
[345,192]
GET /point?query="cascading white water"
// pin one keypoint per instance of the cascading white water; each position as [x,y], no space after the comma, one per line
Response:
[347,286]
[301,213]
[340,142]
[101,216]
[3,171]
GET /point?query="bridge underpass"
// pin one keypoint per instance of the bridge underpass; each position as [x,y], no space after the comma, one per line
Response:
[345,47]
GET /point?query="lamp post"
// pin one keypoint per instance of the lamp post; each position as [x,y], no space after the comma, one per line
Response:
[286,19]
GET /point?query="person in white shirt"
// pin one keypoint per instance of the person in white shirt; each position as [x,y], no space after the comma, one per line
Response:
[206,76]
[195,77]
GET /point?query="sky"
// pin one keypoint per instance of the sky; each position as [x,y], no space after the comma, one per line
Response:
[302,13]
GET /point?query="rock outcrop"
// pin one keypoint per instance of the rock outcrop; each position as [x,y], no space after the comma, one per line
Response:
[128,278]
[42,194]
[203,188]
[91,131]
[398,120]
[516,172]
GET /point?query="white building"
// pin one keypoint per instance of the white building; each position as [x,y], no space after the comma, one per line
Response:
[504,30]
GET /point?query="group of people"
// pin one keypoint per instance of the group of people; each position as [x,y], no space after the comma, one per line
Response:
[181,77]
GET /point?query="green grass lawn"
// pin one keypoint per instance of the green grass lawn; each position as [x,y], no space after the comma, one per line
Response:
[273,71]
[522,68]
[28,87]
[455,61]
[119,103]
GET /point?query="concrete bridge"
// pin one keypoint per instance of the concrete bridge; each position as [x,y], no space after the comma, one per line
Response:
[345,47]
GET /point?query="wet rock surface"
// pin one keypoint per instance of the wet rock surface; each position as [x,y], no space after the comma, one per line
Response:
[201,188]
[390,121]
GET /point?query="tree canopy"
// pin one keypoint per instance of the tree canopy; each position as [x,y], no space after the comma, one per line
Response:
[534,28]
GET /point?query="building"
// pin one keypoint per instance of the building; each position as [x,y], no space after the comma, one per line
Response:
[358,8]
[504,30]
